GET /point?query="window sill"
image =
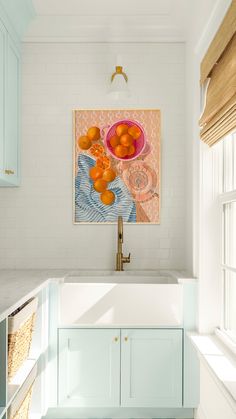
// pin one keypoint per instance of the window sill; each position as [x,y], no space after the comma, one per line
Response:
[220,360]
[226,340]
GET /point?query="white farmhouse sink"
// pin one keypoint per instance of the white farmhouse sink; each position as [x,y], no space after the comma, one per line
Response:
[121,300]
[132,276]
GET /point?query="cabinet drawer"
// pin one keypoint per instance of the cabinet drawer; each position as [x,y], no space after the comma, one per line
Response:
[151,372]
[89,367]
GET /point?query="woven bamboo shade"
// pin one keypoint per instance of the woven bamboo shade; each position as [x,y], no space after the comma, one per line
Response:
[219,115]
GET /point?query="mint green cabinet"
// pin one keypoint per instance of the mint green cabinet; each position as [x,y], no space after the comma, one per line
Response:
[9,109]
[12,112]
[14,19]
[89,367]
[151,373]
[127,368]
[3,37]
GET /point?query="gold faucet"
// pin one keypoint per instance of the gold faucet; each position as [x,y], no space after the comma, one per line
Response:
[120,259]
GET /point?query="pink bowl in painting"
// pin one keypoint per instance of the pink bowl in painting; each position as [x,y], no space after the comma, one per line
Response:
[139,144]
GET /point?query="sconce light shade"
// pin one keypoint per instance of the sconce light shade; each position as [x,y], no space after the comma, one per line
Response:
[119,84]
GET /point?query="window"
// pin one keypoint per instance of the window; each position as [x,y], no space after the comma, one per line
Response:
[227,199]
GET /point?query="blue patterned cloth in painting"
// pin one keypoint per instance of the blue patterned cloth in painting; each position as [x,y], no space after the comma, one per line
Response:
[88,206]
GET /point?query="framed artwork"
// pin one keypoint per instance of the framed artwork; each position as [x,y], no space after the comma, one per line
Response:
[116,166]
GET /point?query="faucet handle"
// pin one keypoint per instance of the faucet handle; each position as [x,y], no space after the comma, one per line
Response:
[126,259]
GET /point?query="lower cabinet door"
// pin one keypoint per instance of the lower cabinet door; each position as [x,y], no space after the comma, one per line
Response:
[89,367]
[151,368]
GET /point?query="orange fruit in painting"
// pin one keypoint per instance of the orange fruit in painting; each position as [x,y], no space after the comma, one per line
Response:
[84,142]
[120,151]
[107,197]
[97,150]
[109,175]
[121,129]
[100,185]
[131,150]
[95,173]
[103,162]
[126,140]
[94,133]
[134,131]
[114,141]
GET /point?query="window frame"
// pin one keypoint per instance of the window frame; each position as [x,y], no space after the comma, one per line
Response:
[225,198]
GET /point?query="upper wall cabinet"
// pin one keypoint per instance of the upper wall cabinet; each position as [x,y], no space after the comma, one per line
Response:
[9,110]
[17,15]
[3,36]
[14,18]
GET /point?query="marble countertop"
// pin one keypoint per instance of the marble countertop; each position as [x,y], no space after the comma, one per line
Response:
[17,286]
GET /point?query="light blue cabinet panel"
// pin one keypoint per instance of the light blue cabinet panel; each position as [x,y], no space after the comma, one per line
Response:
[16,15]
[89,367]
[9,109]
[151,368]
[14,19]
[12,111]
[3,35]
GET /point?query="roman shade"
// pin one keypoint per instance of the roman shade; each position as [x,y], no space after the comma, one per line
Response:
[218,75]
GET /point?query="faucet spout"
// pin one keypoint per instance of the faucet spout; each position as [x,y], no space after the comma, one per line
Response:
[120,259]
[120,233]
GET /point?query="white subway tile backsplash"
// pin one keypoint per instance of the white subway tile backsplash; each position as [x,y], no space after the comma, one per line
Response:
[36,226]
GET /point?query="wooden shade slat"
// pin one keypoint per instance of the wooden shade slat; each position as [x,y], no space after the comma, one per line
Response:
[218,137]
[222,38]
[219,119]
[222,85]
[219,116]
[220,131]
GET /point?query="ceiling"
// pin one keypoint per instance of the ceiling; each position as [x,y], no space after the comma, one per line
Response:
[106,7]
[113,20]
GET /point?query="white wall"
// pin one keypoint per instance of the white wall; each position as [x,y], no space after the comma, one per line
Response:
[36,219]
[215,401]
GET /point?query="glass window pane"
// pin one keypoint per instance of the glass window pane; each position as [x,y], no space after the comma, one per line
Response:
[229,248]
[230,306]
[228,163]
[218,154]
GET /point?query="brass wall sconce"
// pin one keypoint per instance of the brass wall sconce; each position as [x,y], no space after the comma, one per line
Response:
[119,84]
[119,70]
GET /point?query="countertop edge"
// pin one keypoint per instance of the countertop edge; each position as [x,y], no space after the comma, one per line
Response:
[35,290]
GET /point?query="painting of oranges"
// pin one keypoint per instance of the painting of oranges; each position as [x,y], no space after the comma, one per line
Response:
[116,166]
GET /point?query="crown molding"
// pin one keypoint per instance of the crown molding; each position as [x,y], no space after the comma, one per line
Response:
[211,27]
[101,7]
[103,29]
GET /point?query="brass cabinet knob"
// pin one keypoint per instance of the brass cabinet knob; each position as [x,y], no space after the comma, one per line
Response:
[9,172]
[116,339]
[126,338]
